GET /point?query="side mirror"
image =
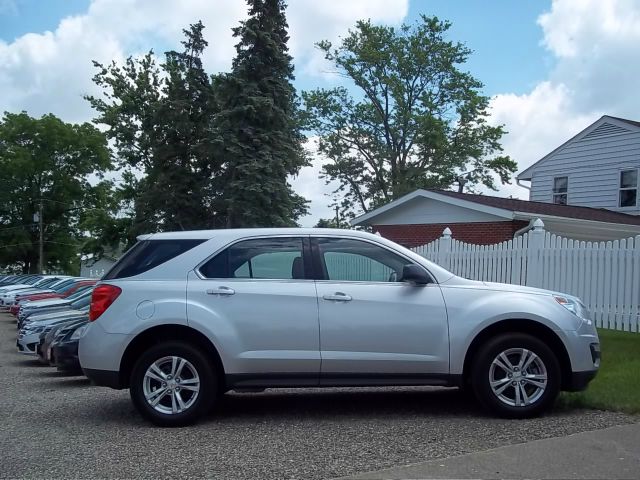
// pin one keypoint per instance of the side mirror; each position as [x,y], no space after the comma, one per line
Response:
[415,274]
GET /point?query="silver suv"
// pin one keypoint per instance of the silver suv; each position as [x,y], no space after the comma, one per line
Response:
[186,316]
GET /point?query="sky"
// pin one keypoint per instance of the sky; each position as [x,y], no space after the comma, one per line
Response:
[551,67]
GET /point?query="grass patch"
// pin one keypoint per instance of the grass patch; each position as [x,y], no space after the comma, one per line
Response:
[617,385]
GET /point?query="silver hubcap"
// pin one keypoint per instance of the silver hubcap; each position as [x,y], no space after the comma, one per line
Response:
[171,385]
[518,377]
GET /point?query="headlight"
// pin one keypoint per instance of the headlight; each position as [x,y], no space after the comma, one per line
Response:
[575,306]
[79,332]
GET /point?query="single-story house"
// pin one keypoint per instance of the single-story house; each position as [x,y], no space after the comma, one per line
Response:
[420,217]
[91,268]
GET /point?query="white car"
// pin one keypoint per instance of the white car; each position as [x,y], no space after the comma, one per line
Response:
[185,316]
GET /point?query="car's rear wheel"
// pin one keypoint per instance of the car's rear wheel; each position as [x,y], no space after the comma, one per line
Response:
[173,384]
[516,375]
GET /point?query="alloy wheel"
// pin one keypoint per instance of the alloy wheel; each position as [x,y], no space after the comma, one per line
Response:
[518,377]
[171,385]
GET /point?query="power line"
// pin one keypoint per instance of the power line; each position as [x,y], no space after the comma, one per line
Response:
[25,225]
[46,241]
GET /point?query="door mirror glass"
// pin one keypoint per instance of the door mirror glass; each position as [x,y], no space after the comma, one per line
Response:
[415,274]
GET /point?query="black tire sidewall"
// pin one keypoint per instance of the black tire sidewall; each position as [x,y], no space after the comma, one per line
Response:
[206,395]
[482,363]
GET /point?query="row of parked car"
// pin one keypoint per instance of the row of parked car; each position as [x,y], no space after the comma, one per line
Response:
[52,312]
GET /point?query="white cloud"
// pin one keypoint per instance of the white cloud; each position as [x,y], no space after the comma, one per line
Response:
[51,71]
[537,123]
[313,21]
[594,44]
[44,72]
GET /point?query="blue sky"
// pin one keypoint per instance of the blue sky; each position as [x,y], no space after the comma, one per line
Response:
[503,34]
[551,67]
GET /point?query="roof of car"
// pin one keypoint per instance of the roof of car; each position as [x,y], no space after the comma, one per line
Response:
[248,232]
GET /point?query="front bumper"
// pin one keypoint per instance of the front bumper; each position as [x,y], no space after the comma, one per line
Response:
[103,378]
[579,380]
[66,355]
[28,343]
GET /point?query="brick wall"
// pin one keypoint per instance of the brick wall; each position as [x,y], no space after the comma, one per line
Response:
[482,233]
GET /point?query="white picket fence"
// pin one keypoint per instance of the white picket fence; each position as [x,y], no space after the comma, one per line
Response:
[605,275]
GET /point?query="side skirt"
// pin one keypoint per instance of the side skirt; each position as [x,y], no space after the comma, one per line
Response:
[302,380]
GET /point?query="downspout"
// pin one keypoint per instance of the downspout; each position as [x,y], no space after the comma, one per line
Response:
[524,229]
[522,185]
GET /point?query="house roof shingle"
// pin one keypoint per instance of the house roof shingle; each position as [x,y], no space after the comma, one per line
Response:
[540,208]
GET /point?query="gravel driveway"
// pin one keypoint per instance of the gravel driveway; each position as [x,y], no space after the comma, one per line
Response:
[53,426]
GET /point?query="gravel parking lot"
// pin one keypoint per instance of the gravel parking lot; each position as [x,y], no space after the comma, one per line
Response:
[55,426]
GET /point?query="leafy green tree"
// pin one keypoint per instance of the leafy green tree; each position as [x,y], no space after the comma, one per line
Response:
[326,223]
[259,123]
[48,161]
[416,120]
[161,120]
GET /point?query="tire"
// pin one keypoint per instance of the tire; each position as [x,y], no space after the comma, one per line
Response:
[532,394]
[196,385]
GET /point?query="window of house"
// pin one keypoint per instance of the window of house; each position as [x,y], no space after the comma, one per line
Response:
[628,188]
[560,188]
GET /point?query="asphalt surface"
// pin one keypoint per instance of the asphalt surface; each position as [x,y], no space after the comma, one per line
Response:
[57,426]
[610,453]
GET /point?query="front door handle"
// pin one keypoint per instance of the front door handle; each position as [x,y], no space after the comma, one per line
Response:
[338,297]
[221,291]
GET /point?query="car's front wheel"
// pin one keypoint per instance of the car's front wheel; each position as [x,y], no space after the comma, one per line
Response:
[173,384]
[516,375]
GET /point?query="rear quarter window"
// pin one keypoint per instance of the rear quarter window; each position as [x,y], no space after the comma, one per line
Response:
[148,254]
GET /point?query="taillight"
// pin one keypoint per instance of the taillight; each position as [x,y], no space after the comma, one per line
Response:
[101,298]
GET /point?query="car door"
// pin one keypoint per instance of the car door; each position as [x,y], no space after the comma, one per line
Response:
[257,298]
[372,324]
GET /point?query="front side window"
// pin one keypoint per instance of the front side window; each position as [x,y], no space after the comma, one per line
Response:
[628,188]
[262,258]
[345,259]
[560,188]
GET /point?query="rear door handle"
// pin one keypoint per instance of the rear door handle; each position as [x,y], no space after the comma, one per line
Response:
[338,297]
[221,291]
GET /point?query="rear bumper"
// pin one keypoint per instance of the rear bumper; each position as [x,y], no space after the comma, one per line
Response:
[579,380]
[104,378]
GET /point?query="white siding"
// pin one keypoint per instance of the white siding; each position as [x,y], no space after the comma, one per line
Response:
[593,165]
[422,210]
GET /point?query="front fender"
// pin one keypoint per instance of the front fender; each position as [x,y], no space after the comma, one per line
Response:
[471,311]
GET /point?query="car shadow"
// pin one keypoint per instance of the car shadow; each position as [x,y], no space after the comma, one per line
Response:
[73,381]
[310,404]
[367,402]
[27,362]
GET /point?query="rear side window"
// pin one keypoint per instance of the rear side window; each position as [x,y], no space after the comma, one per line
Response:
[265,258]
[148,254]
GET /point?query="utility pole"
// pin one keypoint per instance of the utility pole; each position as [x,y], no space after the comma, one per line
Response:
[41,246]
[337,216]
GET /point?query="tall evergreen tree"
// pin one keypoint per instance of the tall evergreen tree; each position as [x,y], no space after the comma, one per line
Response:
[161,120]
[260,125]
[181,182]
